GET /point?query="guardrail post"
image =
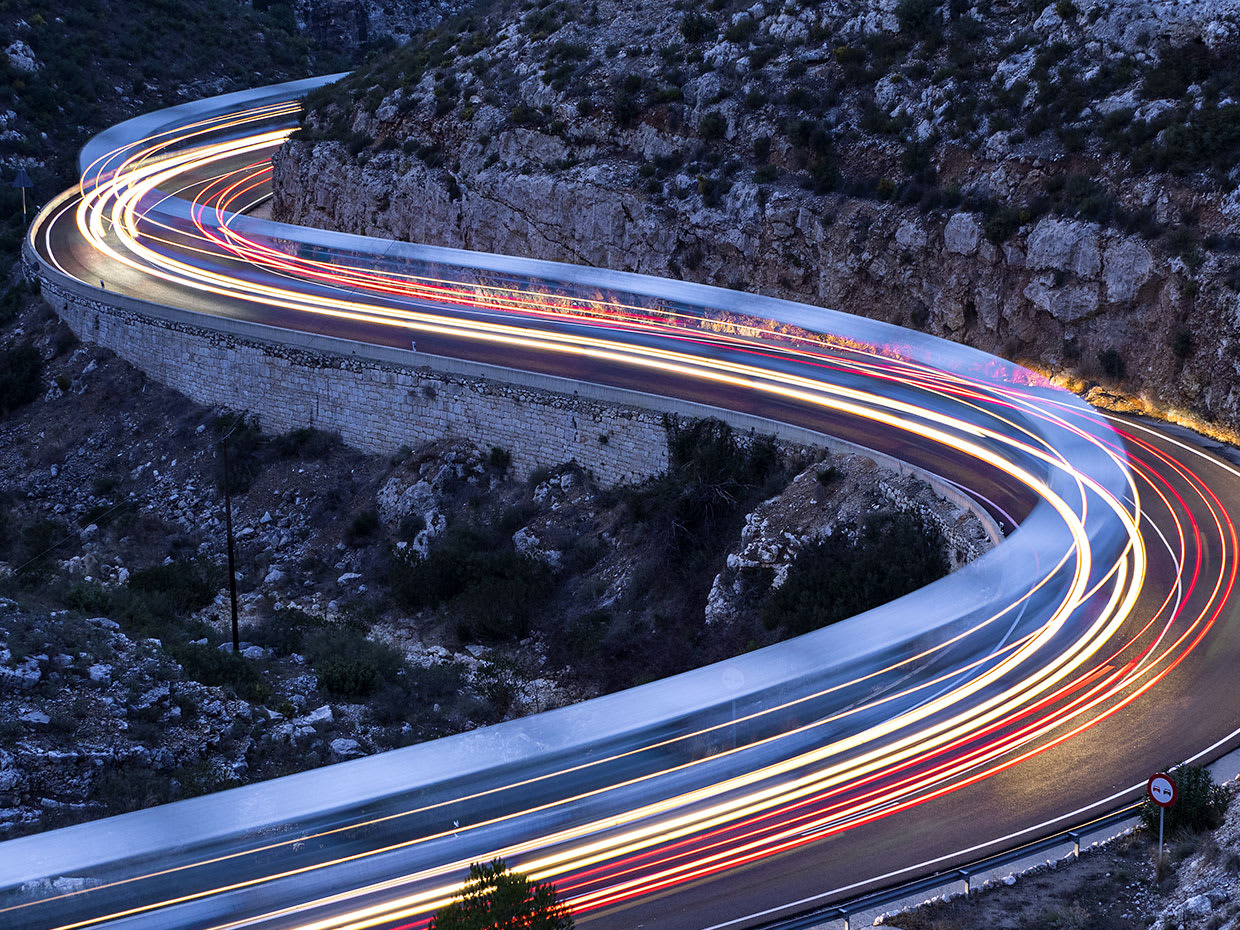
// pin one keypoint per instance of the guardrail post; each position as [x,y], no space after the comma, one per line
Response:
[1076,843]
[968,881]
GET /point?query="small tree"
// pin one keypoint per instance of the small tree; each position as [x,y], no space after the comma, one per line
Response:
[495,898]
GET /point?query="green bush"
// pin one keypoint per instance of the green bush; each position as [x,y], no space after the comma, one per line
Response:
[710,478]
[246,445]
[362,528]
[40,544]
[1177,68]
[351,678]
[1199,804]
[12,302]
[696,26]
[1003,224]
[179,587]
[21,376]
[625,108]
[713,127]
[491,588]
[306,442]
[742,30]
[919,17]
[891,554]
[1181,343]
[285,632]
[347,663]
[494,896]
[1112,363]
[223,669]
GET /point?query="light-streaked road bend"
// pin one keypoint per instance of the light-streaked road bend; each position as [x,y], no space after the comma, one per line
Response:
[1032,688]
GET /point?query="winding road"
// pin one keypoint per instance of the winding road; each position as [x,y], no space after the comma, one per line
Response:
[1033,688]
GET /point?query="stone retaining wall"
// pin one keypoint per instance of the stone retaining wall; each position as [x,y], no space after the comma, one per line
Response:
[380,398]
[374,404]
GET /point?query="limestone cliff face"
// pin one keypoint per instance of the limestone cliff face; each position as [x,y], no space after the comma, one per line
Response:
[1056,294]
[349,25]
[938,173]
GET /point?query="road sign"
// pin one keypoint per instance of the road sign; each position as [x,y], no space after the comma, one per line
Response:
[23,181]
[1161,789]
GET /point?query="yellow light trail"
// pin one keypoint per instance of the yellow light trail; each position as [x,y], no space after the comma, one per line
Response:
[119,212]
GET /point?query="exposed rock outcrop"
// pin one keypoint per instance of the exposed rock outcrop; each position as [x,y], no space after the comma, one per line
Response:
[544,143]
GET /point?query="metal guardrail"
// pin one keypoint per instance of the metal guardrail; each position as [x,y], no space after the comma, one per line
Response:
[941,884]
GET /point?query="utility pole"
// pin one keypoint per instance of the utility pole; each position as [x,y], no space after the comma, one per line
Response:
[232,558]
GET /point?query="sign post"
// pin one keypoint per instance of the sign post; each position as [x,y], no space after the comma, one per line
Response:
[1161,789]
[23,181]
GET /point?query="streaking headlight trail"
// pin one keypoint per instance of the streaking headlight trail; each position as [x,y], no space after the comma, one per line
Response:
[1119,562]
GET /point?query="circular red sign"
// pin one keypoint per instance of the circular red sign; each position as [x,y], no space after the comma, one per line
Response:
[1161,789]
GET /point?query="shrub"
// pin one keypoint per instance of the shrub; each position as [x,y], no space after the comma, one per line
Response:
[12,301]
[1003,224]
[362,528]
[499,605]
[761,55]
[21,375]
[1181,343]
[891,554]
[764,174]
[493,896]
[1177,68]
[625,108]
[696,26]
[710,477]
[245,448]
[499,458]
[713,127]
[39,544]
[1087,198]
[1199,804]
[224,669]
[919,17]
[348,677]
[1182,241]
[741,30]
[306,442]
[348,664]
[179,587]
[285,632]
[491,588]
[1112,363]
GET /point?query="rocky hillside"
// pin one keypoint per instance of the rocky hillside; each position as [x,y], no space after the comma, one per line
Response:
[1052,182]
[70,70]
[356,26]
[382,601]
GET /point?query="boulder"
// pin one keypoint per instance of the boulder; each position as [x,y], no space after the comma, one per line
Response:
[962,233]
[1066,304]
[101,674]
[1126,265]
[316,717]
[346,748]
[1064,245]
